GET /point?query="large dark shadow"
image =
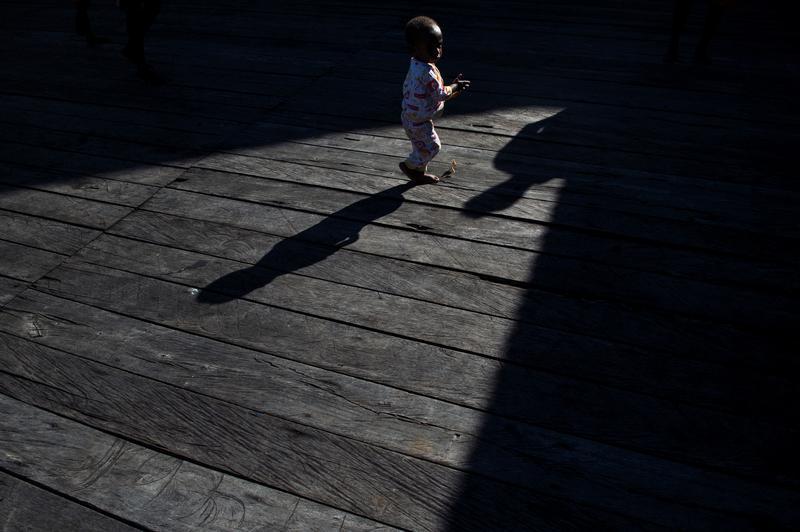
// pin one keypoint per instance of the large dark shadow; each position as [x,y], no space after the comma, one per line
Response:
[648,328]
[505,194]
[338,230]
[717,423]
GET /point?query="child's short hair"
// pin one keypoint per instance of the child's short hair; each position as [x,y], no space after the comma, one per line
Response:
[417,29]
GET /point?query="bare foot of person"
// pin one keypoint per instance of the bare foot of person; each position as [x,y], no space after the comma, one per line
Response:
[418,176]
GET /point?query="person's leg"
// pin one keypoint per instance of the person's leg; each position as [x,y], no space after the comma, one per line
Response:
[713,17]
[424,147]
[135,26]
[150,10]
[680,14]
[140,15]
[82,25]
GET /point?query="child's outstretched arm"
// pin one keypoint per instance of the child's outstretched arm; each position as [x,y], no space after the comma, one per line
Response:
[458,86]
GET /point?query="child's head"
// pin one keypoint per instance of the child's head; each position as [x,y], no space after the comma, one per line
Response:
[424,38]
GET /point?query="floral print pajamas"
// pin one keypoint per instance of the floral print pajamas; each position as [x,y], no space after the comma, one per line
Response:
[424,94]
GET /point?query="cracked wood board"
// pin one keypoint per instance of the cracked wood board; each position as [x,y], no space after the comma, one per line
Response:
[24,506]
[140,484]
[76,163]
[685,433]
[96,145]
[589,279]
[523,173]
[9,288]
[415,425]
[43,233]
[25,263]
[284,187]
[86,212]
[688,338]
[86,187]
[564,353]
[313,464]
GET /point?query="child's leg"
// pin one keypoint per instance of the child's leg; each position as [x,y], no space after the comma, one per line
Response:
[140,15]
[680,14]
[425,145]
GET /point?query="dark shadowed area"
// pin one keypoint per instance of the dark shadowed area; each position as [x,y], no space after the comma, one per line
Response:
[223,307]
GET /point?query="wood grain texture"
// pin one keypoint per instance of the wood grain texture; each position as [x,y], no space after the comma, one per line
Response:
[25,263]
[349,226]
[9,288]
[321,466]
[530,230]
[601,319]
[223,307]
[93,188]
[85,164]
[574,405]
[118,123]
[414,425]
[529,158]
[43,233]
[96,145]
[69,209]
[156,490]
[581,144]
[564,353]
[524,171]
[24,506]
[517,179]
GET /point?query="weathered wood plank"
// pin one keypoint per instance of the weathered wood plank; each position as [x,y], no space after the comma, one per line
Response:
[522,172]
[111,128]
[144,486]
[557,67]
[682,432]
[88,187]
[227,52]
[86,164]
[24,506]
[64,208]
[410,245]
[94,145]
[512,176]
[415,425]
[90,87]
[575,276]
[594,100]
[280,190]
[190,80]
[308,462]
[552,131]
[510,116]
[400,47]
[676,337]
[25,263]
[521,155]
[564,32]
[204,130]
[9,288]
[45,234]
[713,385]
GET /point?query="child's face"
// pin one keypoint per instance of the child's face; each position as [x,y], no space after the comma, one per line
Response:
[429,49]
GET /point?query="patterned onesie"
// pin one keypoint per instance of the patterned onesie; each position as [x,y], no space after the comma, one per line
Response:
[424,94]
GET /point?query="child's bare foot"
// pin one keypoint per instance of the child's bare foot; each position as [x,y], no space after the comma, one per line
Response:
[418,176]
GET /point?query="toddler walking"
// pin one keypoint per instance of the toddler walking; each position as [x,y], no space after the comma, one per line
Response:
[424,94]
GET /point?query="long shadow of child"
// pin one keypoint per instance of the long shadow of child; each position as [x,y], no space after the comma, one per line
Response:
[306,248]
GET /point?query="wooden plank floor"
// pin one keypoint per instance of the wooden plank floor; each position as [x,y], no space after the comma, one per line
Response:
[222,307]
